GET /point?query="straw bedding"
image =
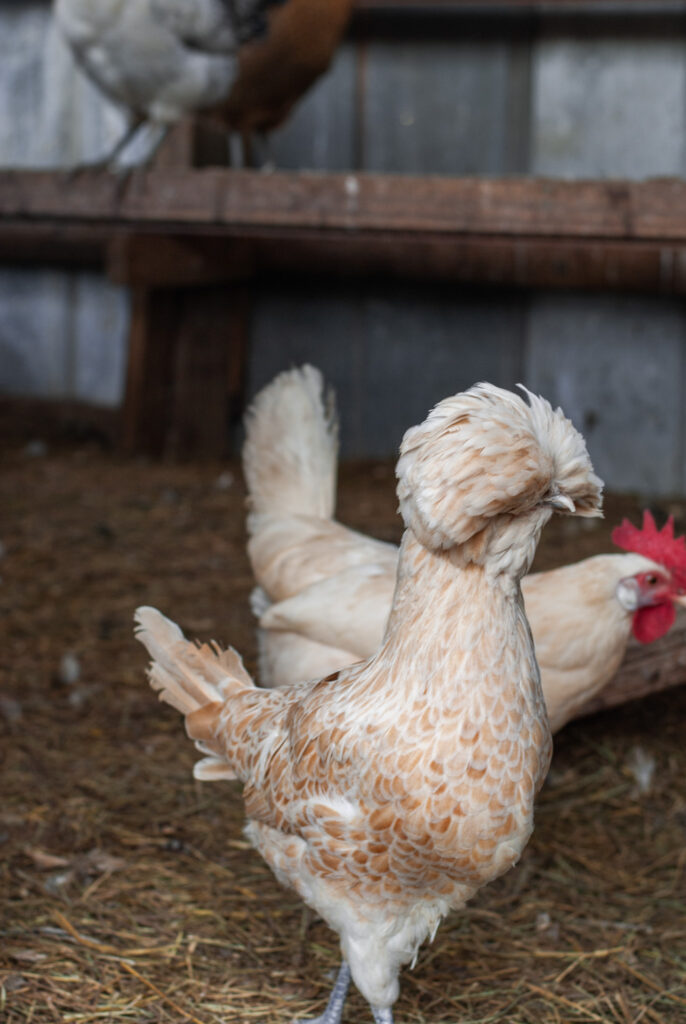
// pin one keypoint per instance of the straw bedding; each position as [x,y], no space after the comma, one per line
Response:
[127,892]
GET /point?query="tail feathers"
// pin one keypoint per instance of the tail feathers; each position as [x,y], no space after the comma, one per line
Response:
[212,769]
[194,680]
[213,766]
[291,448]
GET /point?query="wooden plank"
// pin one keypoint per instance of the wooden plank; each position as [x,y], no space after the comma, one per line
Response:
[646,669]
[146,417]
[187,355]
[50,243]
[211,345]
[523,262]
[528,232]
[462,6]
[286,201]
[166,261]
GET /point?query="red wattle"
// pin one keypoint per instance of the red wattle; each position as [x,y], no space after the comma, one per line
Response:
[653,622]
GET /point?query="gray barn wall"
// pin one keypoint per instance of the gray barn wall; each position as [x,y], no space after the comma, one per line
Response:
[61,335]
[550,105]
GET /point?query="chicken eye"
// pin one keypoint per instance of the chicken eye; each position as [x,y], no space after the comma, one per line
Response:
[651,579]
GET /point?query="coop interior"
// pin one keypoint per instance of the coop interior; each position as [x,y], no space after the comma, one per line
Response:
[466,191]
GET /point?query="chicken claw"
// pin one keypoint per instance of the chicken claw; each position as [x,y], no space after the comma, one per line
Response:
[334,1008]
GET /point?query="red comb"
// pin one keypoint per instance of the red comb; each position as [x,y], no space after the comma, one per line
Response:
[658,545]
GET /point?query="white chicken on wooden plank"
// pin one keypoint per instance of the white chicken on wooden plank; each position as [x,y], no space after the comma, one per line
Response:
[388,794]
[242,62]
[325,591]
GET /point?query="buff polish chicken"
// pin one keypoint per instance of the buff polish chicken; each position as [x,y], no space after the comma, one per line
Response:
[389,793]
[241,63]
[324,591]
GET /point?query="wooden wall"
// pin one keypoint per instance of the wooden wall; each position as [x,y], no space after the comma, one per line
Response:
[497,95]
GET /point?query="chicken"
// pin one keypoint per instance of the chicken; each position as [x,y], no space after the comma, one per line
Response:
[388,793]
[325,591]
[279,67]
[244,63]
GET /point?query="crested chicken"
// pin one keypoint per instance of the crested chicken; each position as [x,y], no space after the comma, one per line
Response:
[387,794]
[324,591]
[242,63]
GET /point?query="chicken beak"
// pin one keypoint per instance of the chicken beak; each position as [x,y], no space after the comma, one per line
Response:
[562,503]
[679,599]
[628,594]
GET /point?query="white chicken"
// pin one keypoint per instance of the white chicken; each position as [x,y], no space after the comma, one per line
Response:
[324,590]
[242,62]
[387,794]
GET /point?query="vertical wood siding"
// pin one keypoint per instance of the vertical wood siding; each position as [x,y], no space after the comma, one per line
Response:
[62,335]
[545,103]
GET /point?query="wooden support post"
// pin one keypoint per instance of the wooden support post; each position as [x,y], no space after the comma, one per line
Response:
[189,331]
[185,381]
[188,342]
[149,380]
[211,347]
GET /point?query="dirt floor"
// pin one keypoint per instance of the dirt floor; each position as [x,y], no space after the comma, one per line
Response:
[127,892]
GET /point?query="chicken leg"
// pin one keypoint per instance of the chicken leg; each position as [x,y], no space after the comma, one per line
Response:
[382,1015]
[334,1008]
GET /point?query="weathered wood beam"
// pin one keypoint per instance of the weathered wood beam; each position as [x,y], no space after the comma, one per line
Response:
[509,18]
[467,5]
[52,243]
[221,200]
[175,261]
[524,262]
[646,669]
[150,376]
[495,261]
[211,258]
[211,345]
[204,226]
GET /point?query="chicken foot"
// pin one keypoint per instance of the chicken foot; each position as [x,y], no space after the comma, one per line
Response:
[109,160]
[334,1008]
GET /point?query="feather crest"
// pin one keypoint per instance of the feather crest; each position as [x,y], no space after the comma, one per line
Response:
[485,453]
